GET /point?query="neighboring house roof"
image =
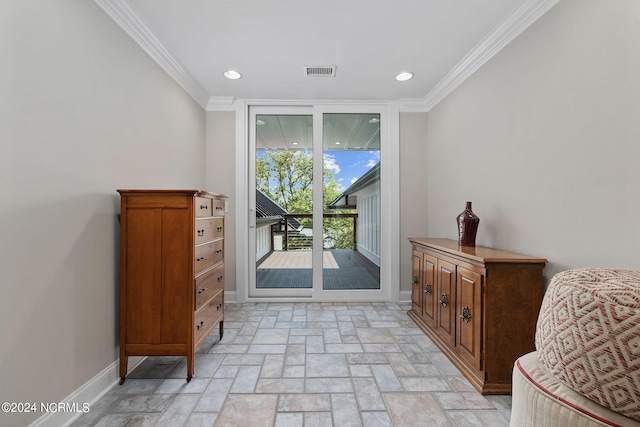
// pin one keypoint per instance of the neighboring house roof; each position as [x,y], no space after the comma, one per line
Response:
[348,199]
[266,208]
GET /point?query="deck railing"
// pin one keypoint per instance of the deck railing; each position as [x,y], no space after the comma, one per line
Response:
[301,242]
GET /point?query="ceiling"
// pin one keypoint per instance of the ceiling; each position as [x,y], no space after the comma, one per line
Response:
[367,41]
[340,132]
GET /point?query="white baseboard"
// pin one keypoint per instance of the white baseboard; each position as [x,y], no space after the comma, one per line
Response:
[230,296]
[88,393]
[405,296]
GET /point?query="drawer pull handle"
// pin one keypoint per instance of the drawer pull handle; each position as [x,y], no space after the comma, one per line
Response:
[200,232]
[201,259]
[466,315]
[203,290]
[415,280]
[200,326]
[444,300]
[219,251]
[219,228]
[219,306]
[427,289]
[203,207]
[220,278]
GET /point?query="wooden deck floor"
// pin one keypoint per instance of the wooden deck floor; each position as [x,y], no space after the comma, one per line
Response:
[296,259]
[343,269]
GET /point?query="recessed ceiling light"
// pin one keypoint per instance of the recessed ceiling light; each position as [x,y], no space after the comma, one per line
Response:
[404,76]
[232,75]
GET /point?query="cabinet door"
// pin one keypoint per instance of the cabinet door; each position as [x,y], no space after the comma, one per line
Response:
[469,306]
[446,322]
[429,294]
[416,279]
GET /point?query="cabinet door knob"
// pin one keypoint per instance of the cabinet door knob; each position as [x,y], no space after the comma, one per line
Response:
[444,300]
[427,289]
[466,315]
[415,280]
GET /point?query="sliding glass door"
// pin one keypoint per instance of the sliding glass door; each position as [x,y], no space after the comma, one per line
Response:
[351,201]
[314,198]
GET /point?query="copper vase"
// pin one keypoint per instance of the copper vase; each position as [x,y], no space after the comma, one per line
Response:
[467,227]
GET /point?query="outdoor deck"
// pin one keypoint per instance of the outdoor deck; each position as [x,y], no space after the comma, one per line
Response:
[342,269]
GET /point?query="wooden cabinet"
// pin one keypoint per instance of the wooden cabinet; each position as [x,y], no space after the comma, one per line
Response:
[478,305]
[171,272]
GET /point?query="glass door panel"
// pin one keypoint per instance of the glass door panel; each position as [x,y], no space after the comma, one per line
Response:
[315,203]
[351,201]
[283,204]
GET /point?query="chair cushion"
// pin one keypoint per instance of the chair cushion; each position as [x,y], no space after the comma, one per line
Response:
[588,335]
[540,400]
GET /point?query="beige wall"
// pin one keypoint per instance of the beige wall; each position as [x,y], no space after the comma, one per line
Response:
[413,190]
[220,178]
[544,140]
[221,138]
[83,111]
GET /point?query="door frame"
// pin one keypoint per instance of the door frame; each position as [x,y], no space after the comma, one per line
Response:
[389,206]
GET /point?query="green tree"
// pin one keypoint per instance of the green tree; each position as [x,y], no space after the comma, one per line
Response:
[287,178]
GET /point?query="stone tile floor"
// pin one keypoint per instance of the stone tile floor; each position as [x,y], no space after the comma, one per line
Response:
[304,364]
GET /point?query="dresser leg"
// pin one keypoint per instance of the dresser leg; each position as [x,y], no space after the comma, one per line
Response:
[190,365]
[123,368]
[221,328]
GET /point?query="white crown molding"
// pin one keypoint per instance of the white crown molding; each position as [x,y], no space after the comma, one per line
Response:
[510,28]
[413,105]
[221,103]
[127,17]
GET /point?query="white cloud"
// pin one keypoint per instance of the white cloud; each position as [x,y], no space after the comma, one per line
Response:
[374,160]
[330,163]
[354,179]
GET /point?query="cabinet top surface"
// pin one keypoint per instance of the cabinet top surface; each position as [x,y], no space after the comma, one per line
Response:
[479,253]
[199,193]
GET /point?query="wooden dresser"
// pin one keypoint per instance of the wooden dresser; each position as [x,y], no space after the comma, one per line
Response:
[171,272]
[478,305]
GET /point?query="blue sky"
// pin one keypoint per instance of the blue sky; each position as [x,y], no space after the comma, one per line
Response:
[347,166]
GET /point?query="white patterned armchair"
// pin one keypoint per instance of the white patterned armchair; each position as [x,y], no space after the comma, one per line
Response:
[586,370]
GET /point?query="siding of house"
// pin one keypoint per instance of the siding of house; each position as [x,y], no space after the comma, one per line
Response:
[368,209]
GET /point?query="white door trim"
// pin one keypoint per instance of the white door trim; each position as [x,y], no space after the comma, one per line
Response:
[390,188]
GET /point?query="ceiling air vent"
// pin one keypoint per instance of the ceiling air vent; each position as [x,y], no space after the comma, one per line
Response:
[320,71]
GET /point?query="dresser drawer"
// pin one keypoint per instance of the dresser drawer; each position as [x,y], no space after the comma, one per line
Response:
[208,254]
[203,207]
[208,316]
[208,285]
[218,207]
[209,229]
